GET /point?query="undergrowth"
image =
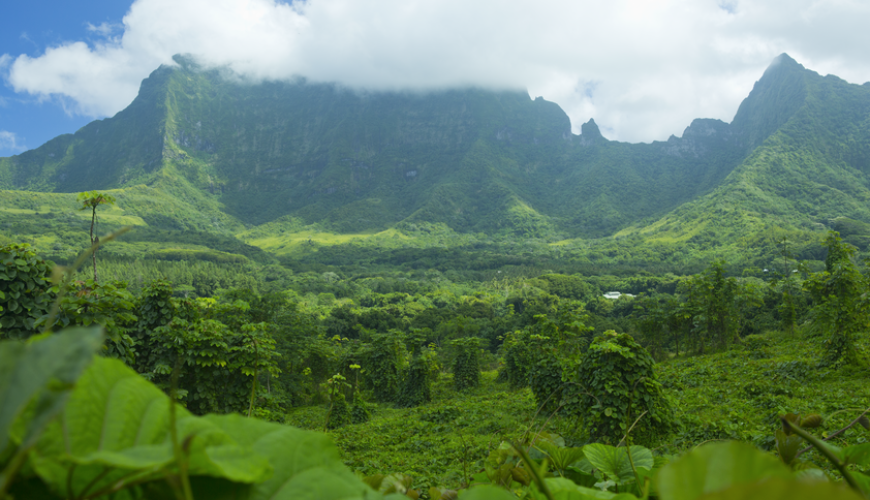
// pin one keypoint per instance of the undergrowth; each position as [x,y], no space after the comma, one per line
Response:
[736,394]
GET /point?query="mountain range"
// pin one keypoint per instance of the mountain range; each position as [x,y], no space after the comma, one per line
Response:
[293,167]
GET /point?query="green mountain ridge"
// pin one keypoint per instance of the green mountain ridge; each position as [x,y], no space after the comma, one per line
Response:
[281,163]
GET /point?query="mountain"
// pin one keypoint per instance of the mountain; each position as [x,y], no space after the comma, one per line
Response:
[806,167]
[278,163]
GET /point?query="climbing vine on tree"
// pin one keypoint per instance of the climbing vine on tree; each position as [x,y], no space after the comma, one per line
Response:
[466,363]
[614,385]
[841,303]
[421,374]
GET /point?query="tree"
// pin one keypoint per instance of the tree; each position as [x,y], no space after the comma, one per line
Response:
[613,385]
[712,295]
[91,200]
[786,308]
[840,301]
[466,363]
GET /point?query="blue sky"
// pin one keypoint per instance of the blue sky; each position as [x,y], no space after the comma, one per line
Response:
[643,69]
[29,27]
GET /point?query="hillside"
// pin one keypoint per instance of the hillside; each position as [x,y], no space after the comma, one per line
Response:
[808,175]
[283,165]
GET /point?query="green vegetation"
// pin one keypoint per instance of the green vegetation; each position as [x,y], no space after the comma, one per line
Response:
[400,373]
[420,280]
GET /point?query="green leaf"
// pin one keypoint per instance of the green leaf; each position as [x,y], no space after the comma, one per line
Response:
[863,481]
[319,483]
[858,454]
[115,422]
[787,446]
[783,489]
[560,457]
[292,452]
[564,489]
[614,462]
[486,492]
[27,369]
[714,467]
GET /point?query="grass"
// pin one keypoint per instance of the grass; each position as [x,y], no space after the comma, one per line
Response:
[435,443]
[735,394]
[738,394]
[289,242]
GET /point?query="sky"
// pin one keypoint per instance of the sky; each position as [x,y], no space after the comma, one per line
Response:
[643,69]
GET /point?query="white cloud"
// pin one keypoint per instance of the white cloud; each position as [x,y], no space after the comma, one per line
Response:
[642,68]
[103,29]
[10,141]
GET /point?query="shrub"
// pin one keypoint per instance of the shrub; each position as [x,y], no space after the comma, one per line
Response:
[26,292]
[615,383]
[340,413]
[359,410]
[417,386]
[466,363]
[383,358]
[516,360]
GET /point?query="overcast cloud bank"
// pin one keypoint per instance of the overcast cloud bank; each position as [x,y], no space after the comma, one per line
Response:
[642,68]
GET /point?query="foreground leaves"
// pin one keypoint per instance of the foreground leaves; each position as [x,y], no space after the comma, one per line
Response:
[734,470]
[113,434]
[27,370]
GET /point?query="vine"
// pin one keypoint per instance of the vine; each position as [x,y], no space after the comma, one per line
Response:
[466,363]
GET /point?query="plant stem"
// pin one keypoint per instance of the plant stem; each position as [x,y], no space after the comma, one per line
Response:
[824,450]
[180,459]
[68,272]
[536,474]
[832,436]
[9,472]
[256,376]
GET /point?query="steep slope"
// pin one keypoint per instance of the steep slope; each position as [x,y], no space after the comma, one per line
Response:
[281,163]
[810,172]
[301,155]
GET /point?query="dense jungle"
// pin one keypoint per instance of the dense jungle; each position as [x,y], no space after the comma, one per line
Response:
[292,290]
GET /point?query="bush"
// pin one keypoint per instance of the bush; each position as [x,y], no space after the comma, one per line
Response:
[466,364]
[383,358]
[545,373]
[26,292]
[615,383]
[417,386]
[340,413]
[359,410]
[516,361]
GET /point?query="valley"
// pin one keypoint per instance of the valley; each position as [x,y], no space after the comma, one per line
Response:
[406,295]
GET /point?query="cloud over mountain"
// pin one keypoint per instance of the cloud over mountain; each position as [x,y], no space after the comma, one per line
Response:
[642,68]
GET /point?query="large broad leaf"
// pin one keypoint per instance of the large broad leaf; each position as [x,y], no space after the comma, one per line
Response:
[784,489]
[615,463]
[300,458]
[564,489]
[560,457]
[486,492]
[48,367]
[715,467]
[116,425]
[858,454]
[863,482]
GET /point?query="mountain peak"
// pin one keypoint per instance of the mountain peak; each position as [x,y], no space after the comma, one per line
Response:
[774,99]
[590,131]
[784,60]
